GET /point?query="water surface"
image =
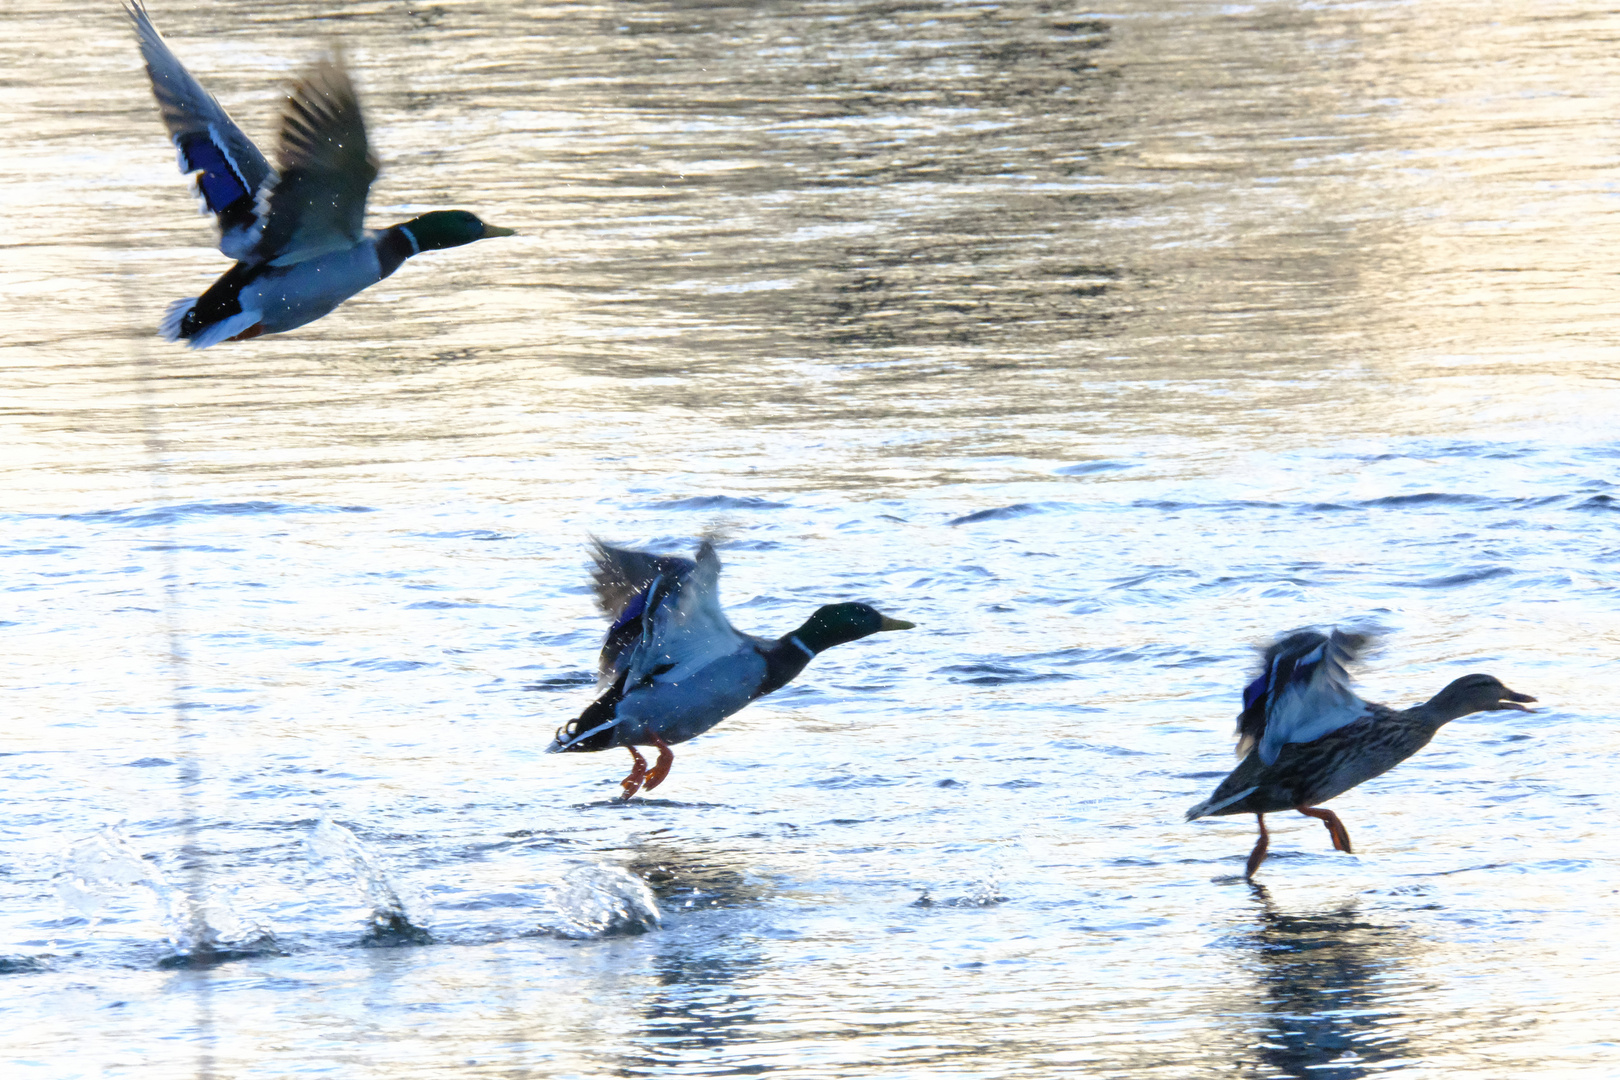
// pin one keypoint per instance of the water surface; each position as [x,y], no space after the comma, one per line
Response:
[1104,344]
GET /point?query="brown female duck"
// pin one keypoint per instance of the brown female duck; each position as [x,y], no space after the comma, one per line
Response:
[1305,738]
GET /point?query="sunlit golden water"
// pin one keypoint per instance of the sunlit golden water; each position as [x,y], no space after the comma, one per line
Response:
[1104,344]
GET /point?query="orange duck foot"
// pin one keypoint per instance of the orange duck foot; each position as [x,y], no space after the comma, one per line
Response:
[1335,827]
[1258,855]
[638,773]
[666,758]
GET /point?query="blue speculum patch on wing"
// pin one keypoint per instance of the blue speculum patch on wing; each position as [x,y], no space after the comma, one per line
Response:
[1254,692]
[632,612]
[218,181]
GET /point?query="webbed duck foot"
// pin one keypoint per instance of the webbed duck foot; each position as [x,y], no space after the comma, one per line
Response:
[660,769]
[1258,855]
[1335,827]
[638,774]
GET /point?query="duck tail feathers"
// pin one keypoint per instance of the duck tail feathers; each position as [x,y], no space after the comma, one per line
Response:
[593,730]
[224,330]
[1212,805]
[173,316]
[575,735]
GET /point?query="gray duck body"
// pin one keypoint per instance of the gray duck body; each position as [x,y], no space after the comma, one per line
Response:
[682,710]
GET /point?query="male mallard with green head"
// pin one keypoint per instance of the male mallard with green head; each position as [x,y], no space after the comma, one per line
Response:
[297,232]
[673,667]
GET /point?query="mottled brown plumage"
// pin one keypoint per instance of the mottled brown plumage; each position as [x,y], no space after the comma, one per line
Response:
[1305,774]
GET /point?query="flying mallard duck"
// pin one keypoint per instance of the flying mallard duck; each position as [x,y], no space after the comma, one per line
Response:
[673,666]
[296,232]
[1305,738]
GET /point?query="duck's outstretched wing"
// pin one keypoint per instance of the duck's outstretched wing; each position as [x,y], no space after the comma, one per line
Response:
[621,575]
[227,169]
[622,581]
[1302,694]
[325,168]
[667,621]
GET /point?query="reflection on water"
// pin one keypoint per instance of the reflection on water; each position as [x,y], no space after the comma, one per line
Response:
[687,875]
[701,1008]
[1326,987]
[1101,344]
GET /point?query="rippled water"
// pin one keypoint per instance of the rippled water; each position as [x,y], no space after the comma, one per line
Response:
[1102,343]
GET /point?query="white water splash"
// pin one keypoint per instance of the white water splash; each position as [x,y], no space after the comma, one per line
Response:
[103,868]
[389,899]
[602,901]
